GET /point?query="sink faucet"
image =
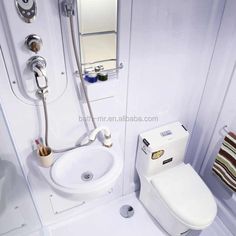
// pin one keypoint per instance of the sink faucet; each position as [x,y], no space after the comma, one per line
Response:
[107,142]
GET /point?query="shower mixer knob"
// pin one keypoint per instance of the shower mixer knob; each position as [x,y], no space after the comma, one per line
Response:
[37,64]
[33,42]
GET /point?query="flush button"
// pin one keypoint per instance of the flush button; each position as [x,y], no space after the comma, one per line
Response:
[166,133]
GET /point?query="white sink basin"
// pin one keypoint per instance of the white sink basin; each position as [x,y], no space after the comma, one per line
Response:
[86,172]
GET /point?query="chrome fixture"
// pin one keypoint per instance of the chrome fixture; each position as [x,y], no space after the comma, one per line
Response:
[97,68]
[87,176]
[90,70]
[226,129]
[38,64]
[33,42]
[127,211]
[27,9]
[68,7]
[107,142]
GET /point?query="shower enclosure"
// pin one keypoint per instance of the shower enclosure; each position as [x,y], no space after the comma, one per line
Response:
[17,211]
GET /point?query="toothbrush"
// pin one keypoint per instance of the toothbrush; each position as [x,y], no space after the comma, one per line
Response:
[44,146]
[41,148]
[41,140]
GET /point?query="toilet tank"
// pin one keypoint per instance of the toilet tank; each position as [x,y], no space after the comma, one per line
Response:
[161,148]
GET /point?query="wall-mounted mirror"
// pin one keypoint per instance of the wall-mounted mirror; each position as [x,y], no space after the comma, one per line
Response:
[98,33]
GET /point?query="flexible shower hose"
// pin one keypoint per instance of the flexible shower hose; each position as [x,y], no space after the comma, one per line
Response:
[77,58]
[45,110]
[46,131]
[84,90]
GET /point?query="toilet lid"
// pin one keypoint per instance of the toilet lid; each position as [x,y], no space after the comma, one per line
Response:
[186,195]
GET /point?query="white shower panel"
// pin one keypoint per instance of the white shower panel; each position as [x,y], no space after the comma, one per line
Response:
[217,110]
[17,212]
[25,122]
[227,117]
[47,26]
[171,48]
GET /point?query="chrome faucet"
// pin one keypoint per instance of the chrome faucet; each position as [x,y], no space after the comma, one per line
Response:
[38,64]
[107,142]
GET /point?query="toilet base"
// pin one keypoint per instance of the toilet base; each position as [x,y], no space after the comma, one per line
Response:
[157,208]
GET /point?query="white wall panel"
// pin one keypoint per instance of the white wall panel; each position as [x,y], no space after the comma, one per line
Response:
[171,47]
[216,110]
[227,117]
[17,210]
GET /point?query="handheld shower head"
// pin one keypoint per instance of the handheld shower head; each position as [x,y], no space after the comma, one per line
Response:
[68,7]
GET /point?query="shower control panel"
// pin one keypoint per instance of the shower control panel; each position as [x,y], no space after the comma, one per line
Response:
[27,9]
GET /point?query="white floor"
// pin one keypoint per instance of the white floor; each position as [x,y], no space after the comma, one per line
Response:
[106,221]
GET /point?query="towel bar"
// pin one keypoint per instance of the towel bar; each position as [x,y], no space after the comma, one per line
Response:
[225,128]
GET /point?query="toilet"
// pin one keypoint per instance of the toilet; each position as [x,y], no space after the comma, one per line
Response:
[172,191]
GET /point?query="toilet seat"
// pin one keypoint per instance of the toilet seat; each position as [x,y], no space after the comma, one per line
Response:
[186,195]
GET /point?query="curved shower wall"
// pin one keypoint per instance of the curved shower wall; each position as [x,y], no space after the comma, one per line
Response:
[17,212]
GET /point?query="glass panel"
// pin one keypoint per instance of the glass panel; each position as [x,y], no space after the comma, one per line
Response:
[98,47]
[17,213]
[97,15]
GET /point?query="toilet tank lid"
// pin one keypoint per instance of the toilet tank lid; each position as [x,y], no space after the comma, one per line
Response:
[155,138]
[186,195]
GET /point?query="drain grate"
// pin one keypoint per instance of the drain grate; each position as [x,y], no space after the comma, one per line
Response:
[87,176]
[127,211]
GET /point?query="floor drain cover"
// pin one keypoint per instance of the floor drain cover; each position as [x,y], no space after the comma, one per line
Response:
[87,176]
[127,211]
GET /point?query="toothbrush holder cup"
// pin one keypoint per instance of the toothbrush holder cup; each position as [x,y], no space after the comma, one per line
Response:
[45,160]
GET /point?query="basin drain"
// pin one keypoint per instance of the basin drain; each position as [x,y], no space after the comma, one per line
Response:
[87,176]
[127,211]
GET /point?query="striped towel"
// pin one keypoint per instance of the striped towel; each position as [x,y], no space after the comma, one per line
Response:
[225,162]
